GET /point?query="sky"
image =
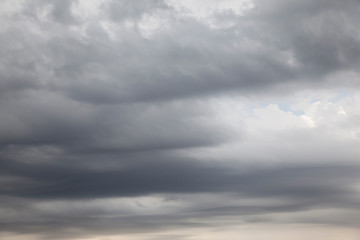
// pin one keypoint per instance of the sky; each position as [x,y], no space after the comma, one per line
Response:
[181,120]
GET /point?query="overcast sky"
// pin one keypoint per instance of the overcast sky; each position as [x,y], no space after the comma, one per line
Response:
[179,120]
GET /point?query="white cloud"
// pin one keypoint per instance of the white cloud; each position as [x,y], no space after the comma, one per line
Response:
[326,130]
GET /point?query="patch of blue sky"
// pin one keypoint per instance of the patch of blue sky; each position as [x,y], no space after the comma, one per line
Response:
[283,106]
[287,107]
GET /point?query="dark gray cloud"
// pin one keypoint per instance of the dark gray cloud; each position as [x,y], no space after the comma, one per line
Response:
[129,100]
[276,43]
[321,35]
[156,175]
[296,189]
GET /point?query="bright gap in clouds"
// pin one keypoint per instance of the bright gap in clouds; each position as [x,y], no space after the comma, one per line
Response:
[208,11]
[318,125]
[207,8]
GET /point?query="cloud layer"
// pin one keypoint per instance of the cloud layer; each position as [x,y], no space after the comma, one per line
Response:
[170,119]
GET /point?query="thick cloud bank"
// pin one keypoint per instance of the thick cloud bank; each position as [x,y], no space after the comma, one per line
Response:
[164,119]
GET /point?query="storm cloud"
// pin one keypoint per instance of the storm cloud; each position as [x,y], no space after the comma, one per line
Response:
[162,119]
